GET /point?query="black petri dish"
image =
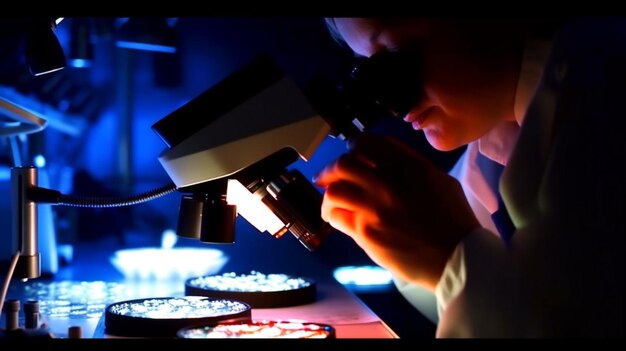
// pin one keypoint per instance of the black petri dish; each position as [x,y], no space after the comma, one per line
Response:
[164,316]
[259,329]
[257,289]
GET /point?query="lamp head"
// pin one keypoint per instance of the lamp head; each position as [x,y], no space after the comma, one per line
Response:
[43,51]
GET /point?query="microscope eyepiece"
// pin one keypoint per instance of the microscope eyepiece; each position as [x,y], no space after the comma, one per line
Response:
[389,81]
[387,84]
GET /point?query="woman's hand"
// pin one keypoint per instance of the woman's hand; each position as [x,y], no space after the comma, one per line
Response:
[407,214]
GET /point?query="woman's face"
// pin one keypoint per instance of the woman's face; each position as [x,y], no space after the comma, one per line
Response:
[470,72]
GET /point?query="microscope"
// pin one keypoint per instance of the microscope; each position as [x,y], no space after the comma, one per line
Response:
[229,149]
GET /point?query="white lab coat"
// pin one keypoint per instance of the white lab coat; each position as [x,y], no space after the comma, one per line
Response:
[563,185]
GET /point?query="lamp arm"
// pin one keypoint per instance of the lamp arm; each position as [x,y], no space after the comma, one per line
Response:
[43,195]
[25,195]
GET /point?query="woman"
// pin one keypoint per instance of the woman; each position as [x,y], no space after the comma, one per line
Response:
[544,107]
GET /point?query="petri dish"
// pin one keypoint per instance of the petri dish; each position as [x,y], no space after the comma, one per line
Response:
[258,289]
[164,316]
[260,329]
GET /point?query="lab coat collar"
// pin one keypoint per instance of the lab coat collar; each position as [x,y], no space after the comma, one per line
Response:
[497,145]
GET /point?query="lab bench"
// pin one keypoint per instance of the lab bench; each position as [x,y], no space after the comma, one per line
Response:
[93,279]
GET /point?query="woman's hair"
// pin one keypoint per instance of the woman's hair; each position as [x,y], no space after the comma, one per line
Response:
[333,31]
[331,25]
[536,27]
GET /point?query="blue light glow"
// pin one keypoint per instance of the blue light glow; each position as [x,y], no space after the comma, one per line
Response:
[363,278]
[39,161]
[145,47]
[168,239]
[79,63]
[5,173]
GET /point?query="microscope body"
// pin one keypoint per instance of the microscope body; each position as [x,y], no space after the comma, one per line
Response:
[278,116]
[247,129]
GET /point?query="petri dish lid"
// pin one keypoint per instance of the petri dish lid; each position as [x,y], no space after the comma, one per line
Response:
[164,316]
[258,289]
